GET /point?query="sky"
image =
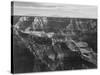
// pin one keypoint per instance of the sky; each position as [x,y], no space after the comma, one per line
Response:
[54,10]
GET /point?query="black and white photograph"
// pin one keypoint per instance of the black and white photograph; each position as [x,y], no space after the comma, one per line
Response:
[47,37]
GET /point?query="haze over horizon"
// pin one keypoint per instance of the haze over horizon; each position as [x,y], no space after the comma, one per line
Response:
[54,10]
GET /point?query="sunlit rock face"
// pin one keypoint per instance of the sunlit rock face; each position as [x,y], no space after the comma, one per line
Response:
[58,43]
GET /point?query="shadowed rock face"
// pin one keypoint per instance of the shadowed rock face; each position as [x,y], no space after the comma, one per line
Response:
[56,43]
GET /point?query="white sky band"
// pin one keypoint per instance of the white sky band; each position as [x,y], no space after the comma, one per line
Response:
[54,10]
